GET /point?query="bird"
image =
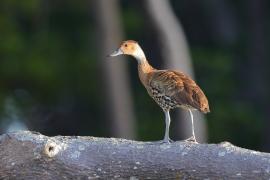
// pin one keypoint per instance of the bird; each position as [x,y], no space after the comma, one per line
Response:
[170,89]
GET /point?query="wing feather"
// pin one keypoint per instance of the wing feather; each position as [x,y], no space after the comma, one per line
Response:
[180,87]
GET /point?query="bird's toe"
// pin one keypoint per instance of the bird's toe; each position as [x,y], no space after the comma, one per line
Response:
[191,139]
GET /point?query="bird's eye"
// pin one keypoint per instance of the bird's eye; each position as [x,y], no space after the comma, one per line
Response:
[126,45]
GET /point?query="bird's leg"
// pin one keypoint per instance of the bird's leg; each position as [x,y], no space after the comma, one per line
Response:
[166,138]
[192,138]
[167,130]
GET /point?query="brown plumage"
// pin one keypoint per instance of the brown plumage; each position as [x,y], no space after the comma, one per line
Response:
[170,89]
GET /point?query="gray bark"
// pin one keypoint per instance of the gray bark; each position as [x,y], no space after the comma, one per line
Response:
[117,93]
[174,49]
[29,155]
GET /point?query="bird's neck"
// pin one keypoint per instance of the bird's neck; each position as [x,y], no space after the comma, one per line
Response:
[144,69]
[139,56]
[143,64]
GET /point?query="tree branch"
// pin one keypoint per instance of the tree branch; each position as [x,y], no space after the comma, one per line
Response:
[29,155]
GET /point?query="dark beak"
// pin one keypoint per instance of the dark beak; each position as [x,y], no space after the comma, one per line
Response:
[116,53]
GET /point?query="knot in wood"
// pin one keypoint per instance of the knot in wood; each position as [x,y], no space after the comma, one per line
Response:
[226,144]
[51,148]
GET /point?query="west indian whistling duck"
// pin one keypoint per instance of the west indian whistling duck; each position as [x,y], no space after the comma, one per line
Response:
[169,88]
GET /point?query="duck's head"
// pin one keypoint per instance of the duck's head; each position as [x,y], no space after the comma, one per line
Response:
[131,48]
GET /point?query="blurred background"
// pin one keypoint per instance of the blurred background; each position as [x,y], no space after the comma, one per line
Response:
[55,77]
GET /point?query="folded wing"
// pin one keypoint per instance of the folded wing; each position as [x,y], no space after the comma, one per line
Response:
[180,88]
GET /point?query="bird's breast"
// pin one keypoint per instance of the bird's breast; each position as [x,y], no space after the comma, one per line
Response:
[164,101]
